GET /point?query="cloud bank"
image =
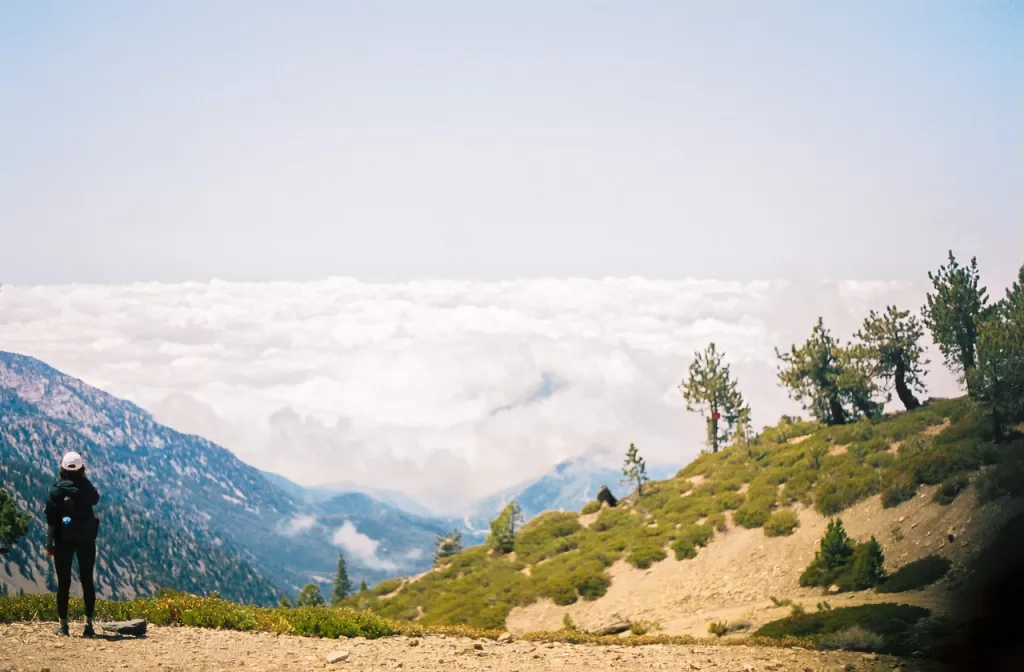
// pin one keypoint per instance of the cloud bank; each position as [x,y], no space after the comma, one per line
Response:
[444,390]
[360,546]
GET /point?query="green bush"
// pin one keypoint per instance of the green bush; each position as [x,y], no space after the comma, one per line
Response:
[547,535]
[950,488]
[901,488]
[729,501]
[916,575]
[684,549]
[781,523]
[591,507]
[646,555]
[718,628]
[886,618]
[387,587]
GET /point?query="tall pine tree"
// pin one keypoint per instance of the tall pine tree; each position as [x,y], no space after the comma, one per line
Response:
[342,585]
[891,343]
[711,390]
[952,312]
[503,528]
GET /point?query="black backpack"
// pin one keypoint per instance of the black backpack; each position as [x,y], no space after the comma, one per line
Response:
[73,526]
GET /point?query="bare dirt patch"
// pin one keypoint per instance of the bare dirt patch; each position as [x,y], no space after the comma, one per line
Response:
[839,450]
[32,646]
[933,430]
[799,439]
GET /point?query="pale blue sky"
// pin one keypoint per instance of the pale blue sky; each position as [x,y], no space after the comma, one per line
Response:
[393,140]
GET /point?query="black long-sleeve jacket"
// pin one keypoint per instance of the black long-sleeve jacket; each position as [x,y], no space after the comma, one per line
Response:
[84,495]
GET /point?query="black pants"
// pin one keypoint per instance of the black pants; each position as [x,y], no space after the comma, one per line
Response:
[62,556]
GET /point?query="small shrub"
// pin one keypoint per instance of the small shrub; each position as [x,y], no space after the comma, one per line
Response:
[901,488]
[885,618]
[644,627]
[751,516]
[854,638]
[729,501]
[916,575]
[781,523]
[950,488]
[568,624]
[387,587]
[684,549]
[718,629]
[644,556]
[591,507]
[781,603]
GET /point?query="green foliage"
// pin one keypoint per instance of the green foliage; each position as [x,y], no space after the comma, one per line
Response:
[684,549]
[645,555]
[854,638]
[952,312]
[570,575]
[342,584]
[891,344]
[387,587]
[718,628]
[843,563]
[635,469]
[13,525]
[568,624]
[887,619]
[591,507]
[310,596]
[711,390]
[950,488]
[998,377]
[829,380]
[447,545]
[901,488]
[284,602]
[916,575]
[547,535]
[207,612]
[781,523]
[868,566]
[503,528]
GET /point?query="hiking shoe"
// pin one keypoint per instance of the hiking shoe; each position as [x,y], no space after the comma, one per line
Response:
[88,632]
[62,630]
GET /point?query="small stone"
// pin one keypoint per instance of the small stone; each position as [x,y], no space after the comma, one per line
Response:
[339,656]
[505,638]
[478,646]
[833,588]
[414,642]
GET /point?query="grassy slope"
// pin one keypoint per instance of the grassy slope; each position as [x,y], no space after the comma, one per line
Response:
[558,558]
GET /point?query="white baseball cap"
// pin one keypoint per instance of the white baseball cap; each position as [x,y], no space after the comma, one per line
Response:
[72,462]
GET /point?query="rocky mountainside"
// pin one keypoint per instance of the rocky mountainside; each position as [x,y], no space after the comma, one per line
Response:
[179,511]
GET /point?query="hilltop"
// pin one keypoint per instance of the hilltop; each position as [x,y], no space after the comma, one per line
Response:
[736,528]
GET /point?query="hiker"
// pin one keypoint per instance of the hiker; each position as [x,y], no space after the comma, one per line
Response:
[71,529]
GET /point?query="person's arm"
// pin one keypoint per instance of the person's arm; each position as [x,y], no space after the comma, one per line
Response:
[51,524]
[94,495]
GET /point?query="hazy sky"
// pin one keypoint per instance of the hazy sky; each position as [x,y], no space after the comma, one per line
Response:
[395,140]
[258,194]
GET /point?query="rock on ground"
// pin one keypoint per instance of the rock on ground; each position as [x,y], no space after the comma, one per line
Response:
[33,647]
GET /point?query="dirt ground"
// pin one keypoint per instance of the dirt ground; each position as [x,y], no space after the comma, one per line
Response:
[34,647]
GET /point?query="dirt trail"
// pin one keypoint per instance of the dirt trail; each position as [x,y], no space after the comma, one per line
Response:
[33,646]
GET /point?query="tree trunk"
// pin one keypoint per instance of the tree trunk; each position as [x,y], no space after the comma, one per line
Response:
[902,391]
[713,432]
[836,411]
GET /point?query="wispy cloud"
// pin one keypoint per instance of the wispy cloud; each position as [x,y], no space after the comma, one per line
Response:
[397,386]
[297,525]
[362,547]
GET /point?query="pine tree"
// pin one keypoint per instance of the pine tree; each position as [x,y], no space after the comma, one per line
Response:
[836,546]
[363,587]
[13,525]
[284,602]
[711,390]
[503,528]
[998,376]
[868,565]
[892,345]
[310,596]
[635,469]
[952,312]
[342,585]
[447,545]
[831,381]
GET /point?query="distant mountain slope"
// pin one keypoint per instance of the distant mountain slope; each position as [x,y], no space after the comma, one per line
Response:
[179,510]
[315,494]
[568,486]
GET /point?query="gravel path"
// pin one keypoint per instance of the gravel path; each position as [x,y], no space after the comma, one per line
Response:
[34,647]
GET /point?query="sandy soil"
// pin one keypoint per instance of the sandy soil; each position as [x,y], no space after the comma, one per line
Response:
[33,646]
[735,577]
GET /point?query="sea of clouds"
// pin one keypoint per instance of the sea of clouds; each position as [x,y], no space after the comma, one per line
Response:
[444,390]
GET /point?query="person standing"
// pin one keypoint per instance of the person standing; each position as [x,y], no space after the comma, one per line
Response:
[71,530]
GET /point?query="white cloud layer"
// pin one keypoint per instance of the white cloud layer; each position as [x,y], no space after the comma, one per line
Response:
[360,546]
[445,390]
